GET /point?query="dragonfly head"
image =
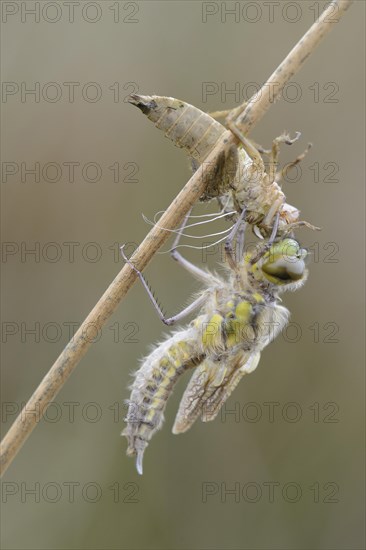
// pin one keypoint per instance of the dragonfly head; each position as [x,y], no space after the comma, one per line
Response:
[283,265]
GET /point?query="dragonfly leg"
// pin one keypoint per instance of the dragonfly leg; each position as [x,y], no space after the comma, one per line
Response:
[200,274]
[272,212]
[230,123]
[240,242]
[232,113]
[275,151]
[282,173]
[263,249]
[166,320]
[219,114]
[297,225]
[236,230]
[247,146]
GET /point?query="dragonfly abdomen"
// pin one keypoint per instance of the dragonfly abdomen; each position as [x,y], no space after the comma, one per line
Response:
[188,127]
[152,387]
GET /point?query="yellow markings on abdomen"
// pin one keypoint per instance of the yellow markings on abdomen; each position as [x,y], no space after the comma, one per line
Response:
[152,387]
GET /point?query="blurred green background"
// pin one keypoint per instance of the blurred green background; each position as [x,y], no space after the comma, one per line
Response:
[296,476]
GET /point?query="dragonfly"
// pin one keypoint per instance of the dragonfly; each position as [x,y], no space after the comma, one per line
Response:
[241,180]
[239,314]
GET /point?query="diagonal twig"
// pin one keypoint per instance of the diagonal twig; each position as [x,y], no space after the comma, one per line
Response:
[174,215]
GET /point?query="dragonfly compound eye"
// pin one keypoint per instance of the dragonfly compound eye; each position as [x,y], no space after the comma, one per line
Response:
[285,262]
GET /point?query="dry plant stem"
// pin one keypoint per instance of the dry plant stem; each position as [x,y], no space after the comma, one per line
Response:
[77,347]
[174,215]
[255,108]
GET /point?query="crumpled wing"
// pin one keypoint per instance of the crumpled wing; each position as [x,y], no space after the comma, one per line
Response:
[211,384]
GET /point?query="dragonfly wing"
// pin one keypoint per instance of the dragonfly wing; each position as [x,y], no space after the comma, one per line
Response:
[191,404]
[211,384]
[218,397]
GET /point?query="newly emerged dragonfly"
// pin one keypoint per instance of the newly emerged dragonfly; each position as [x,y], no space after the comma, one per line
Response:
[241,180]
[239,315]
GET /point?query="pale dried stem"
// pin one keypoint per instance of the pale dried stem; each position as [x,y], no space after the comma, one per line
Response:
[77,347]
[256,107]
